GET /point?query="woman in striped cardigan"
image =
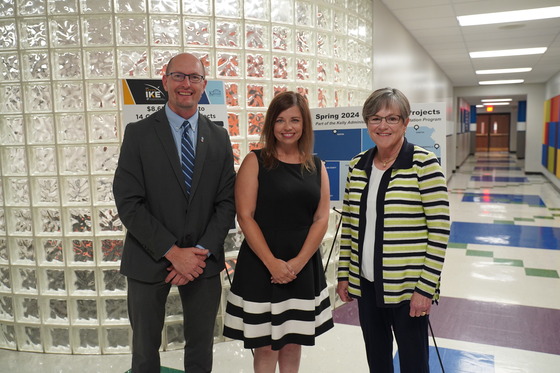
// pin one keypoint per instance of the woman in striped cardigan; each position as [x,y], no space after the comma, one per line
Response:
[395,230]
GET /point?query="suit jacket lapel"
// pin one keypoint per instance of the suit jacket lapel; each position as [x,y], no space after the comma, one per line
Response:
[202,143]
[163,132]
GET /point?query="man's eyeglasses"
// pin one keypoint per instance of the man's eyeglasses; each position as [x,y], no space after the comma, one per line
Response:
[179,77]
[391,120]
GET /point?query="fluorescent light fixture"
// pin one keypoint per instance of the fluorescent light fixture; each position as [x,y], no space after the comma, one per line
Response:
[504,71]
[496,100]
[508,52]
[495,103]
[511,81]
[479,105]
[511,16]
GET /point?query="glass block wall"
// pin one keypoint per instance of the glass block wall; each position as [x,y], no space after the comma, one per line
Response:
[61,62]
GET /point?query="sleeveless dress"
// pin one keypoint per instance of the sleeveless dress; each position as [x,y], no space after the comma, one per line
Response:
[264,314]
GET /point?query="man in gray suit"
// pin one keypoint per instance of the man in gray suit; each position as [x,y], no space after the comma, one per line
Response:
[175,229]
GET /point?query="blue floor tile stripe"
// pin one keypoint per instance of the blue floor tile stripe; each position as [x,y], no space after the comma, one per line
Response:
[456,361]
[528,199]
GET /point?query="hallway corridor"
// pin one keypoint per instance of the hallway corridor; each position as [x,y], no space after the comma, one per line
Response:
[500,305]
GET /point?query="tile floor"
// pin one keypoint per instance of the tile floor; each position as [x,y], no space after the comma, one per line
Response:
[500,306]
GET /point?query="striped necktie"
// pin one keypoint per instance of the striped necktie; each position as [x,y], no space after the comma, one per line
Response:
[187,155]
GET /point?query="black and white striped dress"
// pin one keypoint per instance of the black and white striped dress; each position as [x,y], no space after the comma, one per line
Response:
[264,314]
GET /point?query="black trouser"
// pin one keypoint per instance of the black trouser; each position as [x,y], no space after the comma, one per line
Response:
[146,310]
[379,324]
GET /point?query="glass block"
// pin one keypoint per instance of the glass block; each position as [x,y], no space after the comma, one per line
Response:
[282,67]
[11,130]
[52,251]
[323,47]
[324,18]
[352,25]
[111,250]
[100,63]
[118,340]
[164,6]
[257,66]
[32,7]
[339,23]
[130,6]
[10,98]
[65,31]
[228,34]
[173,307]
[8,336]
[279,89]
[304,42]
[256,36]
[227,8]
[303,91]
[227,65]
[38,97]
[42,160]
[4,253]
[87,341]
[24,280]
[97,31]
[109,221]
[49,221]
[57,340]
[338,72]
[131,30]
[113,281]
[103,127]
[133,63]
[73,160]
[82,252]
[67,64]
[14,161]
[322,97]
[33,33]
[70,128]
[200,7]
[40,129]
[8,34]
[83,281]
[104,158]
[5,279]
[232,94]
[304,14]
[160,58]
[233,124]
[96,6]
[19,221]
[7,9]
[323,70]
[6,308]
[204,57]
[174,336]
[76,190]
[35,65]
[71,96]
[303,68]
[255,122]
[282,39]
[79,220]
[101,96]
[103,190]
[165,31]
[29,337]
[116,310]
[53,281]
[63,6]
[23,251]
[45,191]
[255,95]
[197,32]
[17,191]
[236,148]
[282,11]
[85,311]
[256,9]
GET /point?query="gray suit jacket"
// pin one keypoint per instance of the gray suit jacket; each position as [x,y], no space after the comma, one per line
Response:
[152,201]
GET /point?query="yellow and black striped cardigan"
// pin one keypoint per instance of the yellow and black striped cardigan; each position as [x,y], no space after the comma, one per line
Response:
[411,230]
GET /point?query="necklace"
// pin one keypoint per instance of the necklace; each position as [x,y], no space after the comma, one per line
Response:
[387,161]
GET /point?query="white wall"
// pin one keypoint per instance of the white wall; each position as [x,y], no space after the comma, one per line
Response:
[400,62]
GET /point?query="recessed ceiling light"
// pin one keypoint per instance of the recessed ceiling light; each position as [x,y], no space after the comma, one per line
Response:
[495,103]
[511,16]
[511,81]
[504,71]
[508,52]
[495,99]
